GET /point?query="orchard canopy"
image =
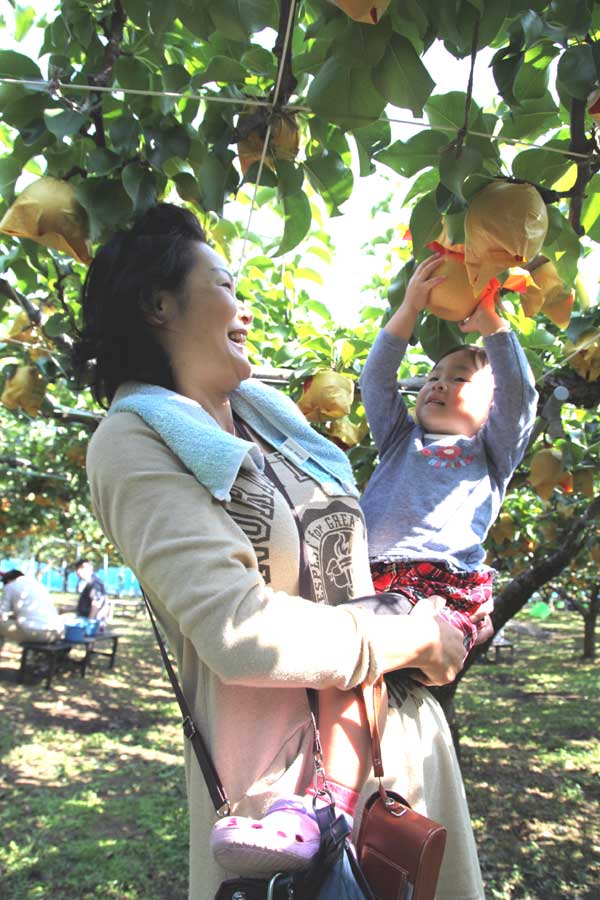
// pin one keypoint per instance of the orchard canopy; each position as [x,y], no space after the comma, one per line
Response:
[272,112]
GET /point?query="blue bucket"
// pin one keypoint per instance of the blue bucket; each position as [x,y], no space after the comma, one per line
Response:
[75,631]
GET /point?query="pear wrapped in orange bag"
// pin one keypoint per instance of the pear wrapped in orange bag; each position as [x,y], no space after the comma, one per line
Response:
[326,395]
[363,10]
[25,390]
[49,213]
[505,226]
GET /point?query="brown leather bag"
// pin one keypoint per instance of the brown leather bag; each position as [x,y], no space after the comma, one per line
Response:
[399,850]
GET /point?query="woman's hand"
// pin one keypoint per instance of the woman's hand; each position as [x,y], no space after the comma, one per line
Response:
[481,618]
[444,653]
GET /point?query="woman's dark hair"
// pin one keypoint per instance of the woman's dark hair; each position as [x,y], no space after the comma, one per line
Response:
[13,574]
[480,357]
[125,276]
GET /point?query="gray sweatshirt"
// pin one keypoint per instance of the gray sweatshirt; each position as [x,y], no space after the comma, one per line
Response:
[435,497]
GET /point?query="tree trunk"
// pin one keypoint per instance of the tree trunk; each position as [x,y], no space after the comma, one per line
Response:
[589,636]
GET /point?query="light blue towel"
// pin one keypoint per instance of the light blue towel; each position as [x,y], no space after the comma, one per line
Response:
[215,457]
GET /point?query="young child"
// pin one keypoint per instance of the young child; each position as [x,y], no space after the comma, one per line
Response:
[435,493]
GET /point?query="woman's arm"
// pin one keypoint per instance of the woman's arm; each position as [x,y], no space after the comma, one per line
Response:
[201,570]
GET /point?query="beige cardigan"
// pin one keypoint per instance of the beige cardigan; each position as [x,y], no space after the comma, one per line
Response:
[223,580]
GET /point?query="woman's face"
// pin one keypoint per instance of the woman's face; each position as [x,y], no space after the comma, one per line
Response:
[207,326]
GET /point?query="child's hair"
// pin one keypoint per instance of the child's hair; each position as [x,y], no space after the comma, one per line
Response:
[478,354]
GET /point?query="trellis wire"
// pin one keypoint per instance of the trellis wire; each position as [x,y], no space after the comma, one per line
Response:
[55,86]
[263,154]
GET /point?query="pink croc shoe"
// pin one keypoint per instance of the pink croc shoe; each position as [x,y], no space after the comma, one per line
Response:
[285,839]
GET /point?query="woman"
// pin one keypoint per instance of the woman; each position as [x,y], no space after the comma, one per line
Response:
[217,549]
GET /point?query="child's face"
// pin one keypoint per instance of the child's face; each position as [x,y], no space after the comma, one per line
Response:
[457,396]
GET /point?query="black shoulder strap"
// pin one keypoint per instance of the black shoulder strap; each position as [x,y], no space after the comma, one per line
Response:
[217,792]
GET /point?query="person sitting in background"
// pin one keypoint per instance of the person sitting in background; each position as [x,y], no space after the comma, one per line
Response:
[27,612]
[93,602]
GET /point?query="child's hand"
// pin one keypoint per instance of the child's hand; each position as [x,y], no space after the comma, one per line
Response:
[422,282]
[484,318]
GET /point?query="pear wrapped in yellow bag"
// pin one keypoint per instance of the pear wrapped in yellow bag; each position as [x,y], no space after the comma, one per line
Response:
[24,332]
[284,142]
[25,390]
[505,226]
[326,395]
[345,433]
[584,355]
[547,472]
[363,10]
[558,299]
[49,213]
[453,299]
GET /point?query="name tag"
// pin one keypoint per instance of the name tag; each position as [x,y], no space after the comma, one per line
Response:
[293,451]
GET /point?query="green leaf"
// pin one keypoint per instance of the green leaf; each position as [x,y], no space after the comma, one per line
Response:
[100,161]
[540,166]
[330,178]
[24,19]
[361,45]
[16,65]
[56,326]
[63,122]
[506,66]
[401,77]
[106,203]
[419,152]
[577,71]
[345,96]
[398,286]
[578,325]
[290,178]
[162,15]
[448,110]
[212,178]
[370,140]
[297,217]
[532,80]
[424,184]
[425,224]
[140,185]
[530,118]
[131,73]
[591,208]
[436,336]
[260,61]
[220,68]
[454,168]
[10,169]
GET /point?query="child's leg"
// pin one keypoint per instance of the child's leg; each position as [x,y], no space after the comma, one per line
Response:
[345,739]
[287,837]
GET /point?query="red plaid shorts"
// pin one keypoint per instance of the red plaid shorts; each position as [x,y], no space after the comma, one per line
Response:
[464,592]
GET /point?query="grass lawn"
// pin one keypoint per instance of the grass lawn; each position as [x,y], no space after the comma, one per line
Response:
[92,796]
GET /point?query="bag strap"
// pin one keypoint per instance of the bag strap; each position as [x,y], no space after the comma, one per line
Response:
[217,792]
[304,576]
[371,711]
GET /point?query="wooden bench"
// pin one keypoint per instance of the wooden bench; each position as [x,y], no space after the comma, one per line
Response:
[57,655]
[498,648]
